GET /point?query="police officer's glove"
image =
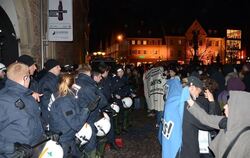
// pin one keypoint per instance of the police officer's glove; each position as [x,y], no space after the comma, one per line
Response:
[79,146]
[92,105]
[53,136]
[22,150]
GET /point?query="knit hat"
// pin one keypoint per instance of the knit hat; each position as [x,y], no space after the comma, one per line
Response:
[2,67]
[235,84]
[194,81]
[26,59]
[51,63]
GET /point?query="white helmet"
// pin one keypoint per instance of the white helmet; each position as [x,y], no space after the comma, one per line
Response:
[84,134]
[2,67]
[127,102]
[52,150]
[103,125]
[115,107]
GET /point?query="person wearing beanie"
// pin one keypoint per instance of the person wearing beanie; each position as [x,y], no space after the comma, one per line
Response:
[48,85]
[2,75]
[191,126]
[29,61]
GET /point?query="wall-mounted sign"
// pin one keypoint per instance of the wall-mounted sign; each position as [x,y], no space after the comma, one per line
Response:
[60,20]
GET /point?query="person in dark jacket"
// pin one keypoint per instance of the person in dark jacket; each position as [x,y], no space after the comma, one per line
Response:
[29,61]
[120,90]
[106,87]
[191,126]
[66,117]
[48,86]
[20,124]
[89,93]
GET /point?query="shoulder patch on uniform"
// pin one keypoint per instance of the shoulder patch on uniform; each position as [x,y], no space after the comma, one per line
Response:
[68,113]
[19,104]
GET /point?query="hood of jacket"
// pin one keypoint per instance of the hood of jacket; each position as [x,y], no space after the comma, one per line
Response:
[238,118]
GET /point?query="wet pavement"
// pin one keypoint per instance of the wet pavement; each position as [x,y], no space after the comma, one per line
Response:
[141,140]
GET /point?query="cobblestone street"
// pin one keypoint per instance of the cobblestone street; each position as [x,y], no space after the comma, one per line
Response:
[141,140]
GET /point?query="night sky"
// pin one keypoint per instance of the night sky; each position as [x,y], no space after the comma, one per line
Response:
[107,16]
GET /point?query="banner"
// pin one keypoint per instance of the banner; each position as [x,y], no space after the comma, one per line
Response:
[60,20]
[154,83]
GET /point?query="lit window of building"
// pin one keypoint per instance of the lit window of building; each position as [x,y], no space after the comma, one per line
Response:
[144,42]
[133,42]
[180,42]
[139,42]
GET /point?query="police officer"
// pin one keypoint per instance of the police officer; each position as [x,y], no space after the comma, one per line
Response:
[120,90]
[29,61]
[66,117]
[106,87]
[48,86]
[20,124]
[87,94]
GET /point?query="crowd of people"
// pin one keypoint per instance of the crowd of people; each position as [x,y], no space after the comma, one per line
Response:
[211,89]
[82,110]
[86,109]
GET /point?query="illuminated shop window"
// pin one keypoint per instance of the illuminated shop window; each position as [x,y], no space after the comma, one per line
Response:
[234,34]
[233,45]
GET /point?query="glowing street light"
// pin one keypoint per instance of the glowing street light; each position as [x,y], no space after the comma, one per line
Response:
[120,37]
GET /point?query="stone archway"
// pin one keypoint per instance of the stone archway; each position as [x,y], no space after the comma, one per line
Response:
[8,41]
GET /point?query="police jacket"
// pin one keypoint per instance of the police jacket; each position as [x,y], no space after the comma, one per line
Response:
[88,93]
[67,117]
[2,83]
[19,118]
[47,86]
[121,86]
[33,85]
[106,87]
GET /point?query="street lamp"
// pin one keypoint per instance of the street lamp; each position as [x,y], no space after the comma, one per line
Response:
[120,37]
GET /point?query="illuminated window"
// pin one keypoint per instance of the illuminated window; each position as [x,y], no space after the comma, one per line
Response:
[234,34]
[144,42]
[133,42]
[233,44]
[139,42]
[179,42]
